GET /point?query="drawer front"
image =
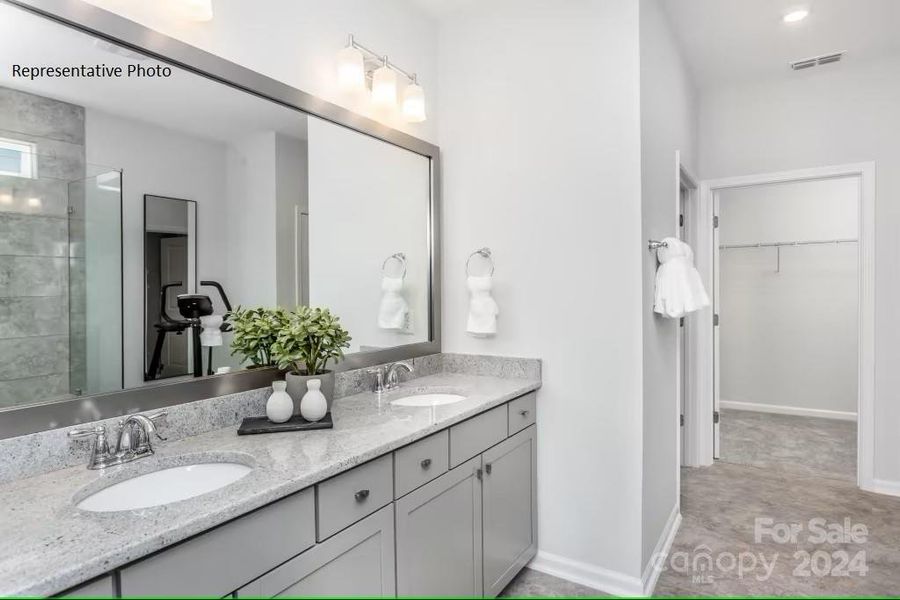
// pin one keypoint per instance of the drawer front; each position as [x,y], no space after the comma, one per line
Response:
[522,412]
[472,437]
[420,462]
[346,498]
[220,561]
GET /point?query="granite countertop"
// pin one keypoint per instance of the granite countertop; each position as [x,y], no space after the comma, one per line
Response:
[48,545]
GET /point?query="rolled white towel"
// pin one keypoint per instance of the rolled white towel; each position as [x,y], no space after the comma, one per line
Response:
[393,309]
[483,309]
[679,288]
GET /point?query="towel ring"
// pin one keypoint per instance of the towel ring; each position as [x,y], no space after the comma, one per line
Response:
[484,253]
[400,258]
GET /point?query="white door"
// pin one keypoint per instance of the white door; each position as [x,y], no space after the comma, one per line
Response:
[682,338]
[716,412]
[173,254]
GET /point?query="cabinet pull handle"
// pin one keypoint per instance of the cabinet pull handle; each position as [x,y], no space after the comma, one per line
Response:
[426,462]
[361,495]
[487,468]
[524,412]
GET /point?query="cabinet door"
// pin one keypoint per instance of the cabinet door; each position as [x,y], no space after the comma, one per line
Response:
[509,496]
[359,561]
[439,535]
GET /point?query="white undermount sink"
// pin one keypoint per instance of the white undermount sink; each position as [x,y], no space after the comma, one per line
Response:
[164,486]
[433,399]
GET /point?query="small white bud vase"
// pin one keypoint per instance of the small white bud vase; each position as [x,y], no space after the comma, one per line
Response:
[279,407]
[313,405]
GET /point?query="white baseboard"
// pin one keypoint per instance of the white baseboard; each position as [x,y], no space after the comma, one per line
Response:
[789,410]
[605,580]
[661,552]
[882,486]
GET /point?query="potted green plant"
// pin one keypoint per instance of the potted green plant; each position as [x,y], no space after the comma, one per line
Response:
[255,332]
[309,338]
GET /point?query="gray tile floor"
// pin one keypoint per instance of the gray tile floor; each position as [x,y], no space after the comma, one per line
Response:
[776,471]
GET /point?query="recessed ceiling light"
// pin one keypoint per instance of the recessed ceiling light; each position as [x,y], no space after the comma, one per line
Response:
[794,16]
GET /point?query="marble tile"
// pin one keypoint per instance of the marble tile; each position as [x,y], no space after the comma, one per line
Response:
[33,276]
[29,390]
[45,196]
[30,235]
[495,366]
[39,116]
[33,356]
[55,159]
[534,584]
[22,317]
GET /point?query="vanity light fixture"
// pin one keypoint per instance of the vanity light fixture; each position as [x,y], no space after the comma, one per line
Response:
[197,10]
[357,65]
[795,16]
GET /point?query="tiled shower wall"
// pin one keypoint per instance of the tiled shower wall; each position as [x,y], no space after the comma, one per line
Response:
[34,248]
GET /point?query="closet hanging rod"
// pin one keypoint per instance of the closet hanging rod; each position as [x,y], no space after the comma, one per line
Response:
[796,243]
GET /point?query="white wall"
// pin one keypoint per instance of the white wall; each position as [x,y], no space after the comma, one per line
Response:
[789,337]
[164,163]
[356,222]
[829,115]
[668,124]
[296,42]
[539,131]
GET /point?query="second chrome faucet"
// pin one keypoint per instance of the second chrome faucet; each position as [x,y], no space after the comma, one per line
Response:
[386,377]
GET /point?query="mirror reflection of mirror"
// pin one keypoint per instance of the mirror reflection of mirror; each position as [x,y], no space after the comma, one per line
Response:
[275,207]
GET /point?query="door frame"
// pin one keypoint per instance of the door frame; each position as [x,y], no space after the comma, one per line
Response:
[702,443]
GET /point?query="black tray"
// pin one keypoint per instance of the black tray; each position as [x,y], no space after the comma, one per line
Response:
[254,425]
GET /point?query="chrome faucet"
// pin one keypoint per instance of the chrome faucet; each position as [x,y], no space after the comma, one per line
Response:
[387,377]
[134,434]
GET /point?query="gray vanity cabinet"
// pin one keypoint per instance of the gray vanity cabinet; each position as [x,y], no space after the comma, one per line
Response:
[439,535]
[358,561]
[509,509]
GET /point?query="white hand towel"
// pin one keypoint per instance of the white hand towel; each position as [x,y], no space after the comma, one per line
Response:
[393,310]
[679,289]
[483,309]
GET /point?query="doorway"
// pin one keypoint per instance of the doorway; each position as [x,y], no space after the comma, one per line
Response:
[711,258]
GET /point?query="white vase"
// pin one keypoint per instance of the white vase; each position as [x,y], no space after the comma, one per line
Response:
[313,405]
[279,407]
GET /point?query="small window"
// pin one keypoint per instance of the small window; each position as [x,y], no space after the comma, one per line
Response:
[18,158]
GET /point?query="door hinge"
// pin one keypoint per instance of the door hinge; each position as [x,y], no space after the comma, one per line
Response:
[681,420]
[478,473]
[715,417]
[716,320]
[70,210]
[681,220]
[681,322]
[715,221]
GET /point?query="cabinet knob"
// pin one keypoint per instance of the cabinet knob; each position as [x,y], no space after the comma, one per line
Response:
[524,412]
[487,468]
[361,495]
[426,462]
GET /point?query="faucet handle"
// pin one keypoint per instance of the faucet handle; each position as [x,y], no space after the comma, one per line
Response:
[154,418]
[98,431]
[99,448]
[378,372]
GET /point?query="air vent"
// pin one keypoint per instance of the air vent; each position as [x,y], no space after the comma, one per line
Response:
[815,61]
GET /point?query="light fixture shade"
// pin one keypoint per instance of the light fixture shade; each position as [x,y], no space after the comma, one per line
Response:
[351,71]
[414,103]
[796,16]
[197,10]
[384,88]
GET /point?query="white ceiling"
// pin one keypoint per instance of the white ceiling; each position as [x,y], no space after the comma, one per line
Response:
[743,40]
[184,102]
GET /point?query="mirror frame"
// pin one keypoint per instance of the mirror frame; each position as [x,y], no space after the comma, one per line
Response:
[94,21]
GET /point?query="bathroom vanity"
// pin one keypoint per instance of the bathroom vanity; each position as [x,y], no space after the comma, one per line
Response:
[395,500]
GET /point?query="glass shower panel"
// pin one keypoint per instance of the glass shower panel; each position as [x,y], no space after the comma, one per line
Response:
[95,283]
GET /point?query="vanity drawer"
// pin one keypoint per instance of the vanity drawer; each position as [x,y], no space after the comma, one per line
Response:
[346,498]
[522,412]
[472,437]
[420,462]
[220,561]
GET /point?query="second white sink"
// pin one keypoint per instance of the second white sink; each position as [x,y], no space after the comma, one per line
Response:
[428,400]
[164,486]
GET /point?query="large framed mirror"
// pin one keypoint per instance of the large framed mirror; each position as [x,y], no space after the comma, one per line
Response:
[140,210]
